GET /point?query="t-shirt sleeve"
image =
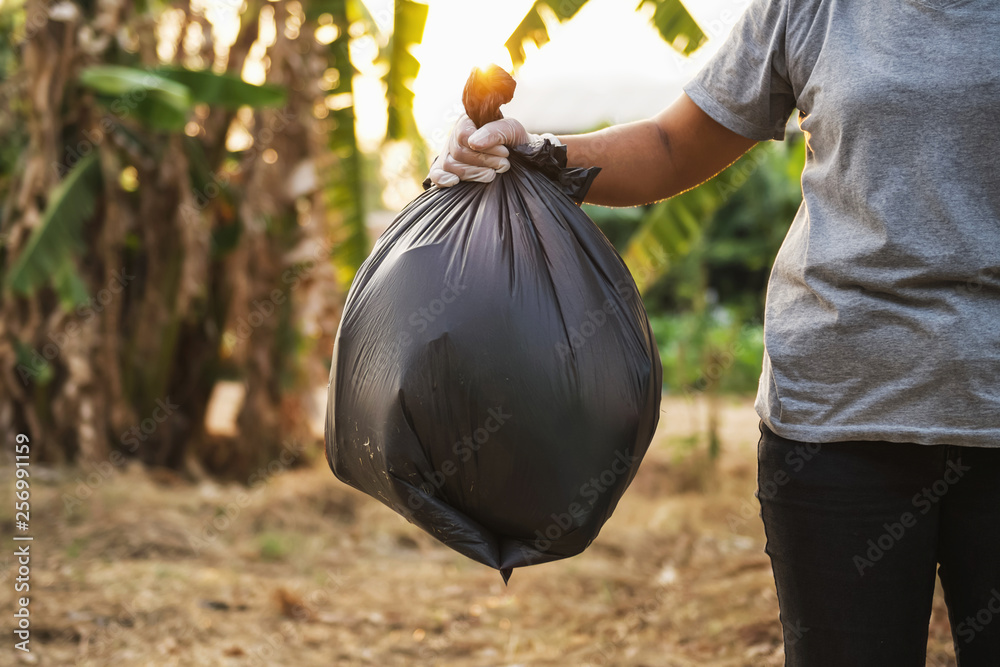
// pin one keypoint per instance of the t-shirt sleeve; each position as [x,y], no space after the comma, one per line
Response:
[745,86]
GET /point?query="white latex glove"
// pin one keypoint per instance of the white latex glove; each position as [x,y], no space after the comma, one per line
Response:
[478,155]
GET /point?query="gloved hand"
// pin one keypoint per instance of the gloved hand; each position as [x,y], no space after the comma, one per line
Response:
[478,155]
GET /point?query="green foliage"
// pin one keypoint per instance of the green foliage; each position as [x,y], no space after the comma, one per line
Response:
[223,90]
[618,224]
[274,546]
[11,22]
[701,260]
[676,25]
[762,194]
[13,127]
[403,67]
[673,21]
[37,366]
[119,81]
[335,8]
[161,98]
[343,190]
[532,26]
[155,100]
[76,547]
[755,201]
[174,230]
[49,253]
[709,351]
[670,229]
[69,286]
[729,228]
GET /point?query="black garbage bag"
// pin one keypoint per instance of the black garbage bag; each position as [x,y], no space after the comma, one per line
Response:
[495,379]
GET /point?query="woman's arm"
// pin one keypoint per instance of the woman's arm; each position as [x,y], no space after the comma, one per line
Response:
[654,159]
[641,162]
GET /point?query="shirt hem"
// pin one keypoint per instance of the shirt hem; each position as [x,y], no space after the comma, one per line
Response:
[920,436]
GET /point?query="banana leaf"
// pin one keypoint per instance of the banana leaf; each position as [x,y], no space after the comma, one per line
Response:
[224,90]
[49,252]
[670,18]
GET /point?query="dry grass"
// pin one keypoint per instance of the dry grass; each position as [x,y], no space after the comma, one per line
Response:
[302,570]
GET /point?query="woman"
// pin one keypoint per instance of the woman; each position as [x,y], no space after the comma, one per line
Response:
[879,456]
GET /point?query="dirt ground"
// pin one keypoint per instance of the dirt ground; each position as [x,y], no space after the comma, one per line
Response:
[131,568]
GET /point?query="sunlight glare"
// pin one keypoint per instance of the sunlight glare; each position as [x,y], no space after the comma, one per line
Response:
[326,34]
[459,34]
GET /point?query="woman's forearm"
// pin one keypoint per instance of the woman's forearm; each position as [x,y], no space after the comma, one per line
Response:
[653,159]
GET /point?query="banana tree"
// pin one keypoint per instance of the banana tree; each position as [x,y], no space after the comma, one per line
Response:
[139,242]
[142,256]
[677,27]
[344,192]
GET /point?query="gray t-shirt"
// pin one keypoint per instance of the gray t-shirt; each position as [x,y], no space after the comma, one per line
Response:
[883,308]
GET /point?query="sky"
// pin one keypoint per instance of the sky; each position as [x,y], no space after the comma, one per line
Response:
[606,65]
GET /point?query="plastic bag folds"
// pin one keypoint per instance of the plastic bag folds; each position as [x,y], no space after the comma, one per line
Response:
[495,379]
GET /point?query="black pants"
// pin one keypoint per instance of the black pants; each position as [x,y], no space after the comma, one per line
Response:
[855,531]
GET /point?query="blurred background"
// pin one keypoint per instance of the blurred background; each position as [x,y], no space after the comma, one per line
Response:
[186,191]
